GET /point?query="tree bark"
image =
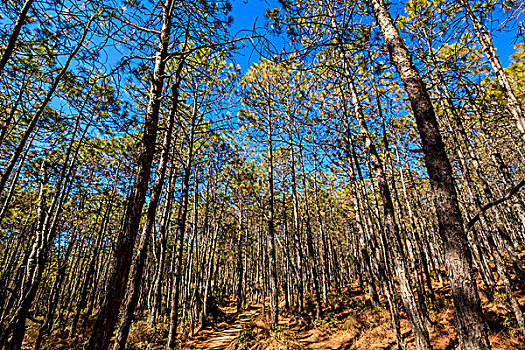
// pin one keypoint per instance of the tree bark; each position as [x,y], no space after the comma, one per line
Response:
[114,293]
[471,327]
[40,111]
[142,249]
[392,230]
[274,288]
[181,228]
[15,33]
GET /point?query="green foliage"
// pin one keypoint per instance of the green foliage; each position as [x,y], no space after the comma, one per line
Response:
[247,333]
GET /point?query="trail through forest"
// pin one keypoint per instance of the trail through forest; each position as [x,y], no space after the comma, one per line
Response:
[221,339]
[348,323]
[363,175]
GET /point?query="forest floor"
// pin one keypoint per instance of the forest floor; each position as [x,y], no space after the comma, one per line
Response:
[348,322]
[351,323]
[225,334]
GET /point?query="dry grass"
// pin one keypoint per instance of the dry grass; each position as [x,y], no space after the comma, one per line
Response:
[349,322]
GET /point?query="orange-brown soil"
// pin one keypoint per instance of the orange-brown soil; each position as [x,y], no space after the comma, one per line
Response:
[348,322]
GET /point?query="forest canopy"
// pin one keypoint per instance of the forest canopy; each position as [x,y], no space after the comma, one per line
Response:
[365,159]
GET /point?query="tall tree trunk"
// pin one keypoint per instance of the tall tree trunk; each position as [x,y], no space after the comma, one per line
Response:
[513,105]
[181,228]
[392,230]
[324,245]
[471,327]
[240,272]
[142,249]
[296,229]
[361,246]
[116,283]
[15,33]
[309,240]
[156,296]
[274,288]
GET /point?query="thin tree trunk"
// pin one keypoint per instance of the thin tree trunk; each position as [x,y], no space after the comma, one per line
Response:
[309,241]
[15,33]
[513,105]
[181,227]
[142,249]
[41,109]
[392,230]
[240,272]
[274,288]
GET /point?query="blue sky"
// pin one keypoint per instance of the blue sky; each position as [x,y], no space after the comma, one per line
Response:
[504,47]
[245,12]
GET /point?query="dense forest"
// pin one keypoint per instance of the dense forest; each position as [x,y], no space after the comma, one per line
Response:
[368,158]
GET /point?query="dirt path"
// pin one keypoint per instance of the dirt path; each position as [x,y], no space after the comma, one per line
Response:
[223,338]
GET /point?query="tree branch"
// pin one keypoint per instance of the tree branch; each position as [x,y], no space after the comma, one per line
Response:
[112,14]
[486,207]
